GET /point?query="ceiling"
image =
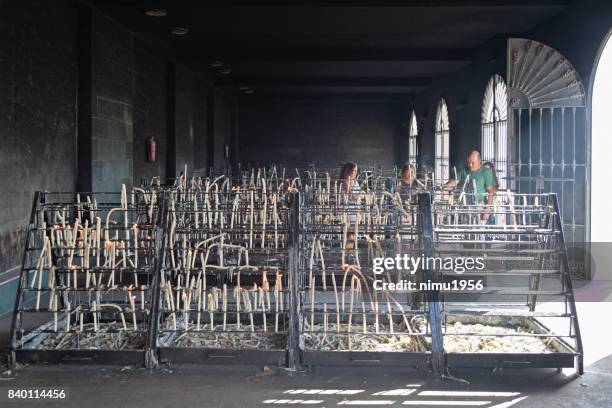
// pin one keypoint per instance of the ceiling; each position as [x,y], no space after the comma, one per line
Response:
[375,46]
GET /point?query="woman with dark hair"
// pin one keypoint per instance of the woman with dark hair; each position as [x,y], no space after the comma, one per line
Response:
[407,177]
[407,182]
[348,181]
[348,175]
[349,185]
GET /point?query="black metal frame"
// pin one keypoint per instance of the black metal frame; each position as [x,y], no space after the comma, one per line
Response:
[308,209]
[167,353]
[295,355]
[19,354]
[567,356]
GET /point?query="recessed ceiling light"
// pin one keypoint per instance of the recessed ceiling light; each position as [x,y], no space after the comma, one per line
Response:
[216,64]
[180,30]
[156,12]
[225,71]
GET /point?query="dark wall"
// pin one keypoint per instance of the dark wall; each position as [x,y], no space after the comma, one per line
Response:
[327,132]
[79,95]
[463,92]
[150,113]
[577,33]
[225,128]
[200,125]
[38,60]
[184,114]
[187,120]
[112,104]
[138,91]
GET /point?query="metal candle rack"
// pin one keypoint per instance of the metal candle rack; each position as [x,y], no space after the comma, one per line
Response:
[275,177]
[325,179]
[224,291]
[525,313]
[88,274]
[343,318]
[246,269]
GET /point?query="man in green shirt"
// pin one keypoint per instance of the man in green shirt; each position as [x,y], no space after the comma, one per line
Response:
[479,176]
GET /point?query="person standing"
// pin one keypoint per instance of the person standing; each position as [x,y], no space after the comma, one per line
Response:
[354,193]
[477,175]
[348,181]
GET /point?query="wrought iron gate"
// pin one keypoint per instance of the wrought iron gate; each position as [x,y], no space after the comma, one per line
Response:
[548,139]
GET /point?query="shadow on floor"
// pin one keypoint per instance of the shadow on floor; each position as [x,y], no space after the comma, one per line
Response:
[248,386]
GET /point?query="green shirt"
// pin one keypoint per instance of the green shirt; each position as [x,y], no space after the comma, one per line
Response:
[483,178]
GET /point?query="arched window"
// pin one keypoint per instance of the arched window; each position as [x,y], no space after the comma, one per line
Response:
[494,125]
[413,150]
[441,138]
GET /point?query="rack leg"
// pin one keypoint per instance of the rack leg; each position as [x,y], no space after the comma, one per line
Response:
[293,332]
[12,360]
[437,346]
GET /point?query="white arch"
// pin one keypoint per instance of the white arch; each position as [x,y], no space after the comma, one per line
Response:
[494,127]
[495,100]
[413,125]
[442,136]
[601,142]
[442,116]
[413,132]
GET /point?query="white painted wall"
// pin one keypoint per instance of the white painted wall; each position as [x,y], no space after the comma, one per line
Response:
[601,151]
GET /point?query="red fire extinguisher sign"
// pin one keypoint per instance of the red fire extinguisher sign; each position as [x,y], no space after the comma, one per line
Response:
[151,149]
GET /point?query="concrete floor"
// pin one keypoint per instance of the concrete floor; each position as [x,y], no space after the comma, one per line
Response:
[239,386]
[247,386]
